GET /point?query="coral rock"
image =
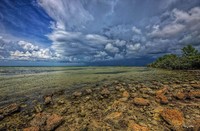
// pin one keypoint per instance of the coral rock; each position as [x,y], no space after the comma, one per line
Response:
[174,117]
[141,101]
[31,129]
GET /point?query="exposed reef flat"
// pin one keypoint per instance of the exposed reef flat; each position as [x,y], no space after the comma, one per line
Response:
[148,100]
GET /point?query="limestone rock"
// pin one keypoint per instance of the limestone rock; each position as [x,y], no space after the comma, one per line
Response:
[141,101]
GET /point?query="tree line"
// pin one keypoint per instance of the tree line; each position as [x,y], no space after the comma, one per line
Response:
[189,59]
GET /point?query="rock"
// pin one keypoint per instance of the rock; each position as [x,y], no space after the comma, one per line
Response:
[196,86]
[33,128]
[173,117]
[141,101]
[162,99]
[118,88]
[193,94]
[125,94]
[39,120]
[132,126]
[160,96]
[53,121]
[77,94]
[123,99]
[180,95]
[162,91]
[60,102]
[114,115]
[48,100]
[39,108]
[105,92]
[10,109]
[88,91]
[1,117]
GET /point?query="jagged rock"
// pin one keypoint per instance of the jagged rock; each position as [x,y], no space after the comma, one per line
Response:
[141,101]
[10,109]
[53,121]
[33,128]
[173,117]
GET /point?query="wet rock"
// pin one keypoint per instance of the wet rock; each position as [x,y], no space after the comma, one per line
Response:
[10,109]
[77,94]
[33,128]
[141,101]
[53,121]
[196,86]
[180,95]
[132,126]
[173,117]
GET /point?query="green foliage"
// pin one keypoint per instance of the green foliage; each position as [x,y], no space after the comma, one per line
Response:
[190,59]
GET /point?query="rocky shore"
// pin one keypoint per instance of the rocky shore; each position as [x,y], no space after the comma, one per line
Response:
[115,105]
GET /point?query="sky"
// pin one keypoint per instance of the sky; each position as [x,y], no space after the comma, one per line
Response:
[95,32]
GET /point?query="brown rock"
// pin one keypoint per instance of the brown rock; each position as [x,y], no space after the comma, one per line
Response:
[31,129]
[132,126]
[39,120]
[88,91]
[160,96]
[53,121]
[196,86]
[192,94]
[77,94]
[114,115]
[162,91]
[141,101]
[105,92]
[180,95]
[8,110]
[48,100]
[174,117]
[125,94]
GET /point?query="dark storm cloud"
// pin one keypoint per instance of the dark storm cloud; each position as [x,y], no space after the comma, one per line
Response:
[101,30]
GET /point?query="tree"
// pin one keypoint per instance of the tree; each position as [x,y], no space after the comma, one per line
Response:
[190,59]
[189,50]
